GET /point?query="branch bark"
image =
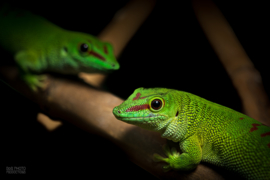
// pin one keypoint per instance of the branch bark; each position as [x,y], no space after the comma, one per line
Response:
[91,109]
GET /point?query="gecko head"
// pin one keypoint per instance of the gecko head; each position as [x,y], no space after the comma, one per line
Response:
[88,54]
[147,108]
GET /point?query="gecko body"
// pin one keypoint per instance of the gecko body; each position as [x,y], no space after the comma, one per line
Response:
[206,131]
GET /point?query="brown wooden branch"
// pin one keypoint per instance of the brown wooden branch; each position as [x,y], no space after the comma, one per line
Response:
[244,75]
[91,110]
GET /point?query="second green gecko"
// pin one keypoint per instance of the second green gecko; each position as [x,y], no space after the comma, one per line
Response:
[206,131]
[39,46]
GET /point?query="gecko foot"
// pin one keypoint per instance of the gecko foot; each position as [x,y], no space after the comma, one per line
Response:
[172,157]
[35,81]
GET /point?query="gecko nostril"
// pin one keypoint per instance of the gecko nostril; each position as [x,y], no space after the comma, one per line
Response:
[119,112]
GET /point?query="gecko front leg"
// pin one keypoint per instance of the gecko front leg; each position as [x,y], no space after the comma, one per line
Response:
[188,160]
[26,61]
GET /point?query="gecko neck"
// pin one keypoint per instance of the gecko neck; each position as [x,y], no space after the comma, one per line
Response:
[185,123]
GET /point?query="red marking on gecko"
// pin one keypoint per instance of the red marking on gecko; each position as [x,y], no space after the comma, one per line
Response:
[268,145]
[241,118]
[254,128]
[137,108]
[137,96]
[97,55]
[265,134]
[143,97]
[105,49]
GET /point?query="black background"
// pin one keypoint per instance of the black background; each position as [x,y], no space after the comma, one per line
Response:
[169,50]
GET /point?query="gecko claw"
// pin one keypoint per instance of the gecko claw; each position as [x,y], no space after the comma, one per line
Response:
[157,158]
[171,154]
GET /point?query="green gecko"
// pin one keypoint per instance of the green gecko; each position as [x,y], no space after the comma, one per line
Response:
[206,131]
[39,46]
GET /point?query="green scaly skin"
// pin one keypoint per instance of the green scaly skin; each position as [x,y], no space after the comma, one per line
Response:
[206,131]
[39,46]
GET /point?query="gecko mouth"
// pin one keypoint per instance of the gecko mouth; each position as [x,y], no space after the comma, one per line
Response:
[136,120]
[141,119]
[131,118]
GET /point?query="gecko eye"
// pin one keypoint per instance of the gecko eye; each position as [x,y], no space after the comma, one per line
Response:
[84,47]
[156,104]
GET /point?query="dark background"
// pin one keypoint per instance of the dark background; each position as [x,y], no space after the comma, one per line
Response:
[169,50]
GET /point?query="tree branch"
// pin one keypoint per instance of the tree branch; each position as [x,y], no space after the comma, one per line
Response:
[245,77]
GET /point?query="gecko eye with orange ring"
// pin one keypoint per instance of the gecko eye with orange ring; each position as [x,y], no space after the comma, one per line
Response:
[156,104]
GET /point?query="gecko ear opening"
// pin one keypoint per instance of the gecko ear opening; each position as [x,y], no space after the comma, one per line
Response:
[176,114]
[65,49]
